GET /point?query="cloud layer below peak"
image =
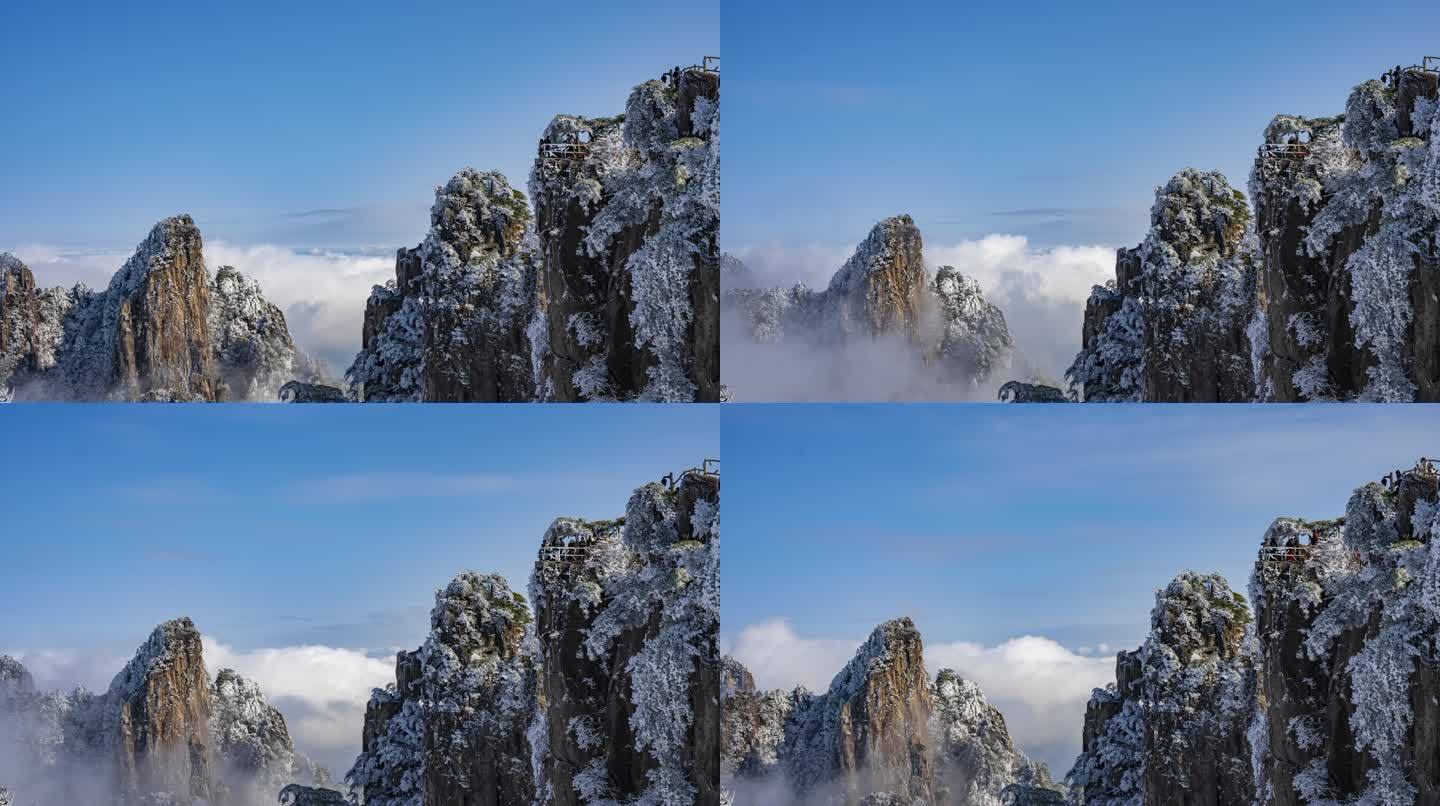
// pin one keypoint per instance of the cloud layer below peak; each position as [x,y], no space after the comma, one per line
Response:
[1039,685]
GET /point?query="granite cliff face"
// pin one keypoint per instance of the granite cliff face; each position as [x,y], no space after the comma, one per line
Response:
[1172,326]
[1328,291]
[163,733]
[609,290]
[157,712]
[452,730]
[1173,727]
[883,733]
[870,733]
[1347,210]
[1346,708]
[451,327]
[883,294]
[609,693]
[163,330]
[1329,699]
[628,222]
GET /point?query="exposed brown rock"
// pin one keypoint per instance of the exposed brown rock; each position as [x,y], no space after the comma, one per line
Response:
[161,330]
[159,710]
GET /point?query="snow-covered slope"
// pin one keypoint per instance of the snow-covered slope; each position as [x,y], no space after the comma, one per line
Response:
[607,693]
[628,222]
[452,325]
[452,729]
[255,757]
[1325,697]
[163,330]
[252,347]
[1349,211]
[1348,653]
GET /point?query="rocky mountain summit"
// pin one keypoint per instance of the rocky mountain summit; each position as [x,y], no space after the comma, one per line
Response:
[884,292]
[601,688]
[1172,728]
[1325,290]
[608,289]
[1172,326]
[163,330]
[1324,696]
[883,733]
[163,733]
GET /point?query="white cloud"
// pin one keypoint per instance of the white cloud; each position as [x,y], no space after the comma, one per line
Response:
[322,293]
[66,668]
[779,658]
[1041,290]
[1040,686]
[321,690]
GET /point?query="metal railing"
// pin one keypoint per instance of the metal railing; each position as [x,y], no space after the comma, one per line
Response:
[564,151]
[709,468]
[1286,150]
[1284,554]
[1275,157]
[555,559]
[555,156]
[1423,469]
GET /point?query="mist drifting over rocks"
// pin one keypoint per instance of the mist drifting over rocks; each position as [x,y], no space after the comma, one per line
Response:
[885,327]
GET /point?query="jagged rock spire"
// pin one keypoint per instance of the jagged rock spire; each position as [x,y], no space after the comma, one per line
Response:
[943,323]
[162,330]
[1173,727]
[1172,326]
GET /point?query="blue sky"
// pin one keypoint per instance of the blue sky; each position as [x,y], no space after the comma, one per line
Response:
[987,522]
[1047,119]
[274,526]
[318,124]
